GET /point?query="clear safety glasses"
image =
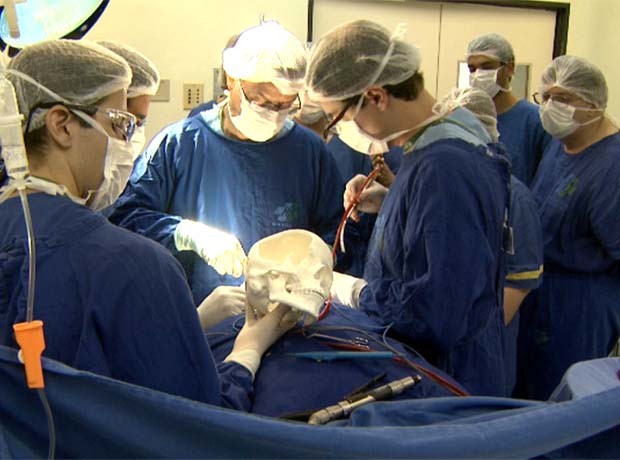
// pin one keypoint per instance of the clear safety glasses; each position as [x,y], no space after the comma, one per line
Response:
[292,107]
[123,123]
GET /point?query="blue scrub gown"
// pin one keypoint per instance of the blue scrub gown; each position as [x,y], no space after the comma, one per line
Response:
[525,267]
[350,163]
[112,302]
[435,266]
[575,314]
[251,190]
[522,133]
[288,384]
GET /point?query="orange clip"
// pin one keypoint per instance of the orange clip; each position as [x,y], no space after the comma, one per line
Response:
[30,339]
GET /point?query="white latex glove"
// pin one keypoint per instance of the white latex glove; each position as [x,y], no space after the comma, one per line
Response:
[346,289]
[222,303]
[370,200]
[219,249]
[259,333]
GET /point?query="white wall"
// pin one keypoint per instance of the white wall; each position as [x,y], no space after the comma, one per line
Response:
[422,19]
[185,38]
[594,34]
[530,32]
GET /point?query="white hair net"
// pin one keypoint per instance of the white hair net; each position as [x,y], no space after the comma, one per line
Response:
[491,45]
[268,53]
[578,76]
[477,102]
[145,80]
[80,72]
[356,55]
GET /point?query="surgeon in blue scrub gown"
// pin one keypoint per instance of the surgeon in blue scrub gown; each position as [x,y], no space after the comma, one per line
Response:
[112,302]
[575,314]
[491,61]
[434,269]
[524,250]
[350,163]
[242,168]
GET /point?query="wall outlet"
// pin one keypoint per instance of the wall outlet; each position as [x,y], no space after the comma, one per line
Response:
[193,95]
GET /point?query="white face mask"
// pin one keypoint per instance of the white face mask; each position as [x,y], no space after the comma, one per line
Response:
[486,80]
[118,164]
[557,118]
[355,137]
[258,124]
[138,140]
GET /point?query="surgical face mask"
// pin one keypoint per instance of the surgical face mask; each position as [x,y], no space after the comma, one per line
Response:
[355,137]
[258,124]
[118,164]
[486,80]
[557,118]
[138,140]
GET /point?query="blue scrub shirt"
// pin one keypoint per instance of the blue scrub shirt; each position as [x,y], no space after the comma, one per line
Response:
[190,170]
[575,314]
[112,302]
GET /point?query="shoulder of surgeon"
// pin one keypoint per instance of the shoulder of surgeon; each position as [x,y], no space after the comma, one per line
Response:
[196,129]
[92,240]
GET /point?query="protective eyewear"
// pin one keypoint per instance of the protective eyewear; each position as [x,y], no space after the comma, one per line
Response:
[563,99]
[331,126]
[123,123]
[292,107]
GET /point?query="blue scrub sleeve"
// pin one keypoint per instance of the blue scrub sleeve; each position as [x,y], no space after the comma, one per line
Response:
[524,267]
[445,264]
[604,214]
[153,333]
[142,206]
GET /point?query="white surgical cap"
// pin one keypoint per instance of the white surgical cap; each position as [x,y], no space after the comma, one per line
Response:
[493,46]
[356,55]
[477,102]
[577,76]
[268,53]
[80,72]
[145,80]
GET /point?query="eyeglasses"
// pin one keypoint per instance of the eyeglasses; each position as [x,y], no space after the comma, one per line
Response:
[123,123]
[292,107]
[335,120]
[561,98]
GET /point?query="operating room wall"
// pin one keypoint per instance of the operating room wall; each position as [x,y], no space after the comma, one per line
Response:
[593,34]
[185,38]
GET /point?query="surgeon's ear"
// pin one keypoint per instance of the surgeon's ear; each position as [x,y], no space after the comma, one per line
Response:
[230,82]
[379,97]
[62,126]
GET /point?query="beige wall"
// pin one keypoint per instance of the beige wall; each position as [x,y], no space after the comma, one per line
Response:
[185,38]
[594,33]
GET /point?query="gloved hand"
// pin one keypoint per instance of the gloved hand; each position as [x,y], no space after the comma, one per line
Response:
[259,333]
[222,303]
[346,289]
[370,200]
[386,176]
[219,249]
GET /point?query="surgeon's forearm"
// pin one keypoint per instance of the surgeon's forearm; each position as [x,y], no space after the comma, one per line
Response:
[512,301]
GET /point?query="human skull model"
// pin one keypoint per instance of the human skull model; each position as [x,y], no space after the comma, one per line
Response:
[293,267]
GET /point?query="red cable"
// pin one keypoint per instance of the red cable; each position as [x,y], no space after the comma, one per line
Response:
[343,221]
[427,372]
